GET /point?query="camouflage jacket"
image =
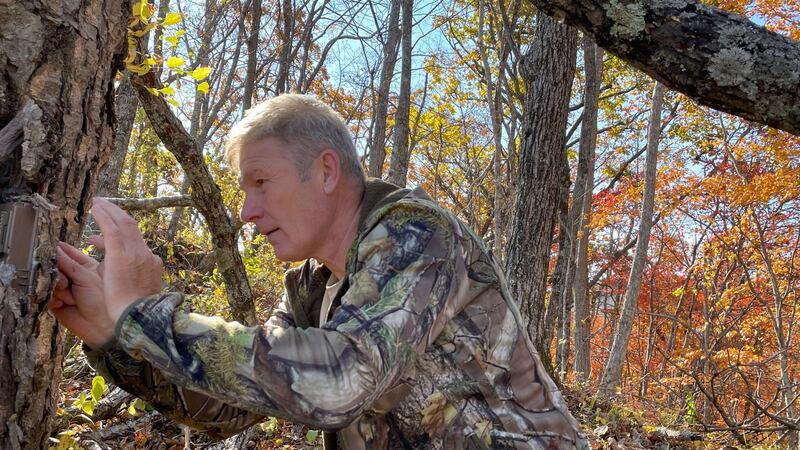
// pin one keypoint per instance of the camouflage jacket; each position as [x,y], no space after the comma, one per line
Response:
[423,349]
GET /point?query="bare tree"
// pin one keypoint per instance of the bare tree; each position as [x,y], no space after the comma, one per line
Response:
[377,147]
[398,165]
[613,370]
[582,204]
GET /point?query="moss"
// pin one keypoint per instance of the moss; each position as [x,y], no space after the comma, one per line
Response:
[628,19]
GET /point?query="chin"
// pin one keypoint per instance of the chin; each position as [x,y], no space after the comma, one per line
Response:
[287,255]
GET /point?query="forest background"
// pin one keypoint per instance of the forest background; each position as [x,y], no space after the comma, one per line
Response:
[652,242]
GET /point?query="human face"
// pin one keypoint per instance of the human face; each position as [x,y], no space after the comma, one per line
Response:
[290,212]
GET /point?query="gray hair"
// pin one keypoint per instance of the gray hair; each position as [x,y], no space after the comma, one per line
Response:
[305,123]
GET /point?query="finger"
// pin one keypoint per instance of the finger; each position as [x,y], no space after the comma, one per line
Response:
[77,255]
[77,273]
[122,228]
[55,303]
[64,296]
[62,282]
[98,241]
[108,226]
[70,317]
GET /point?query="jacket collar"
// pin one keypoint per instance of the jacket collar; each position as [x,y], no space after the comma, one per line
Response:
[377,193]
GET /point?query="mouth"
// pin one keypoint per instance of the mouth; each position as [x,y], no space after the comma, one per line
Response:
[267,233]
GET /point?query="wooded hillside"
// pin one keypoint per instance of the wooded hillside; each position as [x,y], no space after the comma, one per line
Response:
[652,242]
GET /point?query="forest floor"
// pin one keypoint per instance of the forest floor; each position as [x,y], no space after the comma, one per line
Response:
[120,422]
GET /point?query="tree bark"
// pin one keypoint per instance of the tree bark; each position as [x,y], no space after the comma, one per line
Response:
[287,37]
[493,103]
[126,104]
[557,313]
[582,201]
[377,148]
[398,165]
[613,369]
[206,195]
[548,69]
[57,65]
[151,204]
[717,58]
[252,52]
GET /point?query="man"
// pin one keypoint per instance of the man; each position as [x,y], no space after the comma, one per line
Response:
[396,332]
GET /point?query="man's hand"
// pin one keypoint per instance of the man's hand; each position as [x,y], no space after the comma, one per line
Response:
[131,271]
[89,296]
[78,301]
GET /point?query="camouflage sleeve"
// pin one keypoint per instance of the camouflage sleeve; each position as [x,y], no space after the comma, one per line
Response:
[324,377]
[197,410]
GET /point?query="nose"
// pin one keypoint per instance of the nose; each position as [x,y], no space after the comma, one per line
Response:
[251,210]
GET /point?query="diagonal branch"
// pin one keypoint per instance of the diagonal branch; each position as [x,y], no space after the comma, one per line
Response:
[205,193]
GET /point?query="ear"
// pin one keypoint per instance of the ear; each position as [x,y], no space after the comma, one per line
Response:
[331,170]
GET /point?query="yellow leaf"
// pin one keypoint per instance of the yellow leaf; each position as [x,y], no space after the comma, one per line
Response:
[171,19]
[203,87]
[138,69]
[174,62]
[201,73]
[167,90]
[154,91]
[173,102]
[172,40]
[141,9]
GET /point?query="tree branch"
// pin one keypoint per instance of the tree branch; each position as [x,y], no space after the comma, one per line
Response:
[206,194]
[719,59]
[149,204]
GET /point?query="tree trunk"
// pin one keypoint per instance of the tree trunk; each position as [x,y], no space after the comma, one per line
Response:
[398,166]
[582,201]
[557,305]
[718,58]
[377,148]
[286,35]
[58,62]
[613,370]
[252,51]
[493,103]
[126,104]
[548,70]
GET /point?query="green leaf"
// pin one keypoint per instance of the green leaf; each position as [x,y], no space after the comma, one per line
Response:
[175,62]
[171,19]
[88,408]
[172,40]
[201,73]
[167,90]
[132,409]
[98,388]
[173,102]
[203,87]
[154,91]
[311,436]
